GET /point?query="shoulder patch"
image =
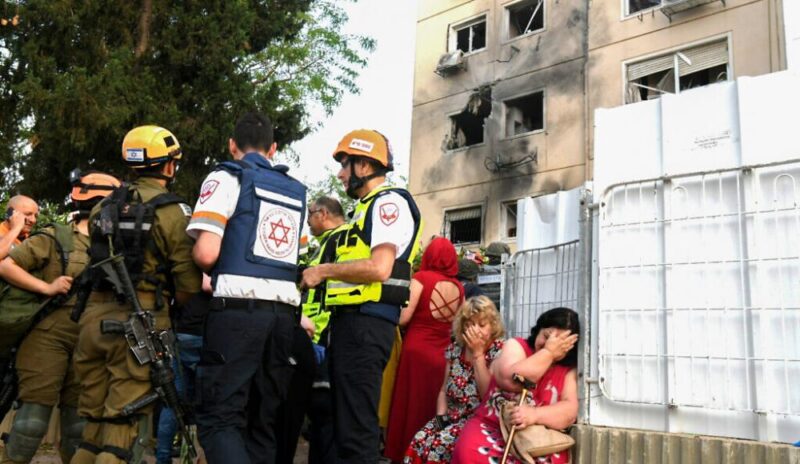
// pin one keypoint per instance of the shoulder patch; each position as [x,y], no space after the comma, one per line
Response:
[187,210]
[208,189]
[389,212]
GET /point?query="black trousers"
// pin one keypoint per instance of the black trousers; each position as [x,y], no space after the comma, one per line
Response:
[292,412]
[244,374]
[320,415]
[359,350]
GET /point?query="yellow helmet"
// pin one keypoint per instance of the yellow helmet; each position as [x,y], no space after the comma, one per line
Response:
[147,146]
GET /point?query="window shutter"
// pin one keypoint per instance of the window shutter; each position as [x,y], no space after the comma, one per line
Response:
[704,57]
[462,214]
[651,66]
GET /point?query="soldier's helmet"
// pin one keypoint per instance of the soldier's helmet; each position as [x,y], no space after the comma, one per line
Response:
[148,146]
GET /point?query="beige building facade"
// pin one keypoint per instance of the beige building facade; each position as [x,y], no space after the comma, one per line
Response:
[505,91]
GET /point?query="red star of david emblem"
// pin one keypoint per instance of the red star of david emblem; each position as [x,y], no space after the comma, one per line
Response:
[279,233]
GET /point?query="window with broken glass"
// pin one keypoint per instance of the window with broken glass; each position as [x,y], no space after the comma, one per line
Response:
[635,6]
[525,17]
[464,225]
[509,211]
[469,37]
[524,114]
[467,127]
[678,71]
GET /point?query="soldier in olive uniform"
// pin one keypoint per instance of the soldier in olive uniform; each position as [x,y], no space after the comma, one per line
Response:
[111,378]
[44,360]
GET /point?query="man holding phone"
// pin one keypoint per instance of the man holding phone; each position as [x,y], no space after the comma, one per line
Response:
[19,220]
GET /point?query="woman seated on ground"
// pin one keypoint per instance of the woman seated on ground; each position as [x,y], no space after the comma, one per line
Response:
[478,333]
[549,357]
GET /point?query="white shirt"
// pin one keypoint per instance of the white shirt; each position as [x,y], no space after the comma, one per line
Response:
[215,205]
[392,222]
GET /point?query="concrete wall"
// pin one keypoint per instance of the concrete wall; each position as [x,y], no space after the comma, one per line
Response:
[591,38]
[550,60]
[751,26]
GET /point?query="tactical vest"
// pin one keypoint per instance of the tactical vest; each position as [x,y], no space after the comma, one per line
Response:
[128,222]
[18,307]
[262,237]
[355,245]
[312,304]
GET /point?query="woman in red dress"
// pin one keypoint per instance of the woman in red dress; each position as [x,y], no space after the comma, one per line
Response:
[548,357]
[436,295]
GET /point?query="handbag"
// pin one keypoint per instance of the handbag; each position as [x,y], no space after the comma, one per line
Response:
[534,440]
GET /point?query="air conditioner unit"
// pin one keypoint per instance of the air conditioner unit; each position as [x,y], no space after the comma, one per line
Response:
[670,7]
[450,63]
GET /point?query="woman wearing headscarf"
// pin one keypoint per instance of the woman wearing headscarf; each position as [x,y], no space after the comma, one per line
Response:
[436,295]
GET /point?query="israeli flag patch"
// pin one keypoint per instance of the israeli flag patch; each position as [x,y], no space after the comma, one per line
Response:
[134,154]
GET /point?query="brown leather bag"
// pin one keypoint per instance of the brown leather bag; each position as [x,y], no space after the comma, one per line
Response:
[534,440]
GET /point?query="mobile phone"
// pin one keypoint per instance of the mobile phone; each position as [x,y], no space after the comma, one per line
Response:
[9,213]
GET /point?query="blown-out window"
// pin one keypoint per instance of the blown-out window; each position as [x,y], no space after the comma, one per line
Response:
[525,17]
[677,71]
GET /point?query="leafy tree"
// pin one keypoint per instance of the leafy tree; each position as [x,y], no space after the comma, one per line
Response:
[76,76]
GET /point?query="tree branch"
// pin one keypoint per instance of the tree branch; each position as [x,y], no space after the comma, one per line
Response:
[144,28]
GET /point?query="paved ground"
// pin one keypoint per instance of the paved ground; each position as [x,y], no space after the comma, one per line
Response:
[48,455]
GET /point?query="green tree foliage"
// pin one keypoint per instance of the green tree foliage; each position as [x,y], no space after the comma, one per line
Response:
[75,76]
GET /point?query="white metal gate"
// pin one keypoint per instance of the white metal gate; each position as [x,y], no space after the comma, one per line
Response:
[699,290]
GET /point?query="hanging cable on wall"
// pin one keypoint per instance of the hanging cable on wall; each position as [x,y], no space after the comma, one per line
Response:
[496,165]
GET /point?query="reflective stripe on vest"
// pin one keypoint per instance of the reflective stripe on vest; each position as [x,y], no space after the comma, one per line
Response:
[355,245]
[262,237]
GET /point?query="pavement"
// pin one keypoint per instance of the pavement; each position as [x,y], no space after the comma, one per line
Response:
[49,455]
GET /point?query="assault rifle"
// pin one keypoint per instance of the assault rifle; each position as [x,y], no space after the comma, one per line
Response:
[149,345]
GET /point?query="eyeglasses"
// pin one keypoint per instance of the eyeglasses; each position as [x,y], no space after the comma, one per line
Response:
[311,212]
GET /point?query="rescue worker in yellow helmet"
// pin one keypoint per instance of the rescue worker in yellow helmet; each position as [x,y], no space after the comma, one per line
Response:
[365,288]
[46,264]
[150,234]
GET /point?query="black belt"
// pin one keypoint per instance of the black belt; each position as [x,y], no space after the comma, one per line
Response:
[220,303]
[346,309]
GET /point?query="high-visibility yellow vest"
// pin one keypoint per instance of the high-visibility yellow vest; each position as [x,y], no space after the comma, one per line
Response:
[355,245]
[312,304]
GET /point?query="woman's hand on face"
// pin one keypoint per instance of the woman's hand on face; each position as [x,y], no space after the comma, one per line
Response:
[523,416]
[559,343]
[476,340]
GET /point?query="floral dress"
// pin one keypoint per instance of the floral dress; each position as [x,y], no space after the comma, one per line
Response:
[433,445]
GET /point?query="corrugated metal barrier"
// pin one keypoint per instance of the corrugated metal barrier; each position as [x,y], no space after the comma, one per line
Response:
[600,445]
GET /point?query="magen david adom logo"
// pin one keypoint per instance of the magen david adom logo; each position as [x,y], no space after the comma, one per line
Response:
[278,233]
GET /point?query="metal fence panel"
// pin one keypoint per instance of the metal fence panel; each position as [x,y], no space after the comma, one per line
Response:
[537,280]
[699,301]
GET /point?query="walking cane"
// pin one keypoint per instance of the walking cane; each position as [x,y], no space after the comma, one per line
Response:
[526,385]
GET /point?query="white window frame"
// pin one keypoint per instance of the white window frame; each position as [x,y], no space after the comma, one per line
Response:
[504,219]
[452,33]
[674,51]
[506,18]
[626,14]
[446,229]
[544,114]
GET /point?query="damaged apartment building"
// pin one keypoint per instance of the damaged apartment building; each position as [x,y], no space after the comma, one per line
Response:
[505,91]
